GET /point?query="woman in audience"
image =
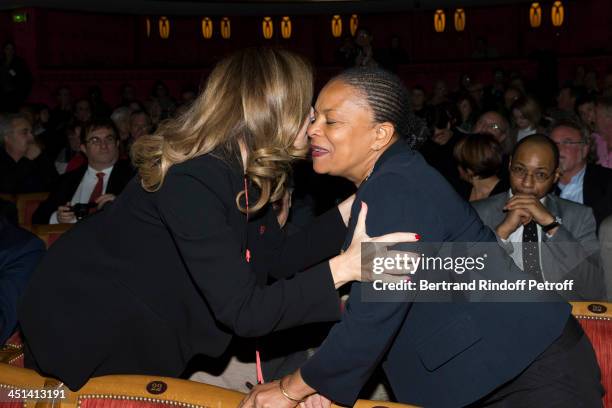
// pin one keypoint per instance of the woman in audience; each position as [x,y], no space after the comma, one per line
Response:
[479,161]
[163,274]
[526,115]
[434,354]
[72,150]
[468,111]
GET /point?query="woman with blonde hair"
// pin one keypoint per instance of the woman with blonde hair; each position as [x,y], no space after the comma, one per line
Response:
[526,115]
[167,271]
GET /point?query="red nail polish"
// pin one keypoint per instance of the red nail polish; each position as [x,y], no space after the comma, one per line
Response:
[417,237]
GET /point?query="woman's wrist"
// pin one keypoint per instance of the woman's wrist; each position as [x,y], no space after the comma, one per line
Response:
[294,388]
[339,275]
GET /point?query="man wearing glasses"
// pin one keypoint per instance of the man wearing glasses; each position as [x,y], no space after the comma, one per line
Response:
[89,188]
[552,238]
[583,183]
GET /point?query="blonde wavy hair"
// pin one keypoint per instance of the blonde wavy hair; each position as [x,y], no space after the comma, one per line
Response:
[257,97]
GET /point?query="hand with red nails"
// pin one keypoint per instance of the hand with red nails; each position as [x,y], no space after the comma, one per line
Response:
[347,266]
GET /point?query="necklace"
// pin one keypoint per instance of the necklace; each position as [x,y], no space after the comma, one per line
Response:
[367,176]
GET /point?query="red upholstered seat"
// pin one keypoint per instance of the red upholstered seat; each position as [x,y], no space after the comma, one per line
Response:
[27,204]
[50,233]
[132,391]
[12,351]
[596,321]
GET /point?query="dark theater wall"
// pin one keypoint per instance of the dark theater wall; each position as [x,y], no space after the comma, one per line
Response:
[80,48]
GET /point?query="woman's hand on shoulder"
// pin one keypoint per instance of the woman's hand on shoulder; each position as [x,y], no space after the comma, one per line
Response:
[345,209]
[348,266]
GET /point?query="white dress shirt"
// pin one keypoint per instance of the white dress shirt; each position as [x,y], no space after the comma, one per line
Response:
[85,188]
[573,190]
[523,133]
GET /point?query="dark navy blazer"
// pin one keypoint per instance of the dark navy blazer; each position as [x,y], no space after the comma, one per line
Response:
[434,354]
[20,252]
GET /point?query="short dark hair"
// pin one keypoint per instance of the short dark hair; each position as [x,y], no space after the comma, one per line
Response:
[389,100]
[480,153]
[540,139]
[574,91]
[98,124]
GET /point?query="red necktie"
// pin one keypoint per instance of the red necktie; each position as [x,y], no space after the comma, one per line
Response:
[97,191]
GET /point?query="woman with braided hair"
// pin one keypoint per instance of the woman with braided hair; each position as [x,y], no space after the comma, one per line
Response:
[434,354]
[173,267]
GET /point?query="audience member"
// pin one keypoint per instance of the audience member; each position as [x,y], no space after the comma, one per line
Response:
[511,95]
[127,95]
[417,98]
[61,115]
[552,238]
[121,119]
[603,136]
[15,79]
[82,111]
[495,124]
[440,93]
[588,184]
[479,161]
[92,186]
[70,157]
[365,50]
[161,95]
[526,115]
[566,104]
[585,108]
[140,125]
[24,168]
[469,112]
[438,148]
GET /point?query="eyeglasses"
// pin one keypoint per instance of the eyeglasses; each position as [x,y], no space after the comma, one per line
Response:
[569,143]
[96,141]
[521,172]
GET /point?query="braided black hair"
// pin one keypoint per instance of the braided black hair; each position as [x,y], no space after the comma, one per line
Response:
[389,100]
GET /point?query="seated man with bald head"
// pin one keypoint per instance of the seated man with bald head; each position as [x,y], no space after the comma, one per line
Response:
[552,238]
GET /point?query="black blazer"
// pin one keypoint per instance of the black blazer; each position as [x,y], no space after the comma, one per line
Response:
[156,278]
[434,354]
[597,191]
[68,183]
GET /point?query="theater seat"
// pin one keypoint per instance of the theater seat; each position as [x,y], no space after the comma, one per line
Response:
[17,378]
[12,351]
[50,233]
[131,391]
[596,321]
[27,204]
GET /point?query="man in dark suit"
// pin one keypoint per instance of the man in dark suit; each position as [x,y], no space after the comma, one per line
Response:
[588,184]
[93,185]
[24,167]
[550,237]
[20,252]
